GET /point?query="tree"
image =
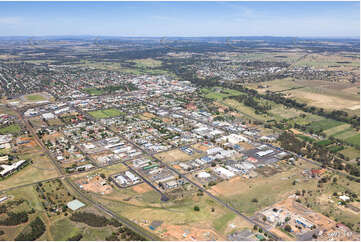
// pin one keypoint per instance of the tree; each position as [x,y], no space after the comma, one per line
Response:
[196,208]
[255,200]
[288,228]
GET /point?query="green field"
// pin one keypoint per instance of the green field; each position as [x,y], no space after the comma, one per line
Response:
[64,229]
[11,129]
[325,124]
[106,113]
[221,223]
[35,97]
[148,63]
[219,93]
[351,152]
[94,91]
[354,140]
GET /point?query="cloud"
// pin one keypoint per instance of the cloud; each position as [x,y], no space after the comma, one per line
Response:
[10,20]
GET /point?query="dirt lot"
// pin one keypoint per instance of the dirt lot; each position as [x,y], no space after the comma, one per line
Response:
[227,187]
[146,116]
[173,155]
[201,147]
[142,188]
[95,184]
[186,232]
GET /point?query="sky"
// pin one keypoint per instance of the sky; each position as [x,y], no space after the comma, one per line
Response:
[301,19]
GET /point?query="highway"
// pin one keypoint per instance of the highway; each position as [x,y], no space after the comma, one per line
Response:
[147,235]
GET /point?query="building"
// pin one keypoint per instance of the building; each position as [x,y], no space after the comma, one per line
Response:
[203,175]
[132,177]
[224,172]
[8,169]
[264,153]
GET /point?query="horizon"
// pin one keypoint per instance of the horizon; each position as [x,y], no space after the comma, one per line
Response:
[181,19]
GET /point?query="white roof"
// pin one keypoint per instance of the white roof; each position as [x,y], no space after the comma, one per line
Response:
[9,168]
[204,174]
[344,198]
[224,172]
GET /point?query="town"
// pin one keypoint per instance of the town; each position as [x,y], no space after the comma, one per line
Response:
[252,138]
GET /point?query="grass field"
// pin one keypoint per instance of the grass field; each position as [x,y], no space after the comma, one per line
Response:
[351,152]
[106,113]
[325,124]
[64,229]
[94,91]
[354,140]
[11,129]
[35,97]
[149,62]
[219,93]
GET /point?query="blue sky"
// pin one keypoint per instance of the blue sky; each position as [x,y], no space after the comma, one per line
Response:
[316,19]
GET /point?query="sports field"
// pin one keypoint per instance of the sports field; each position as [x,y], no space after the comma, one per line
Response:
[106,113]
[219,93]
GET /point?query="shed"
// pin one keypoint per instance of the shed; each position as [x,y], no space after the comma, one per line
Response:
[75,204]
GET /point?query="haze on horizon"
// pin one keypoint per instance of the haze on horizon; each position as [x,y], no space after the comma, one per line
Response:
[191,19]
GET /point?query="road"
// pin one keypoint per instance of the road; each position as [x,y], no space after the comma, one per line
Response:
[221,202]
[147,235]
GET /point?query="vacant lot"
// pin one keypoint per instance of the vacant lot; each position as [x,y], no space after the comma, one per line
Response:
[176,155]
[178,217]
